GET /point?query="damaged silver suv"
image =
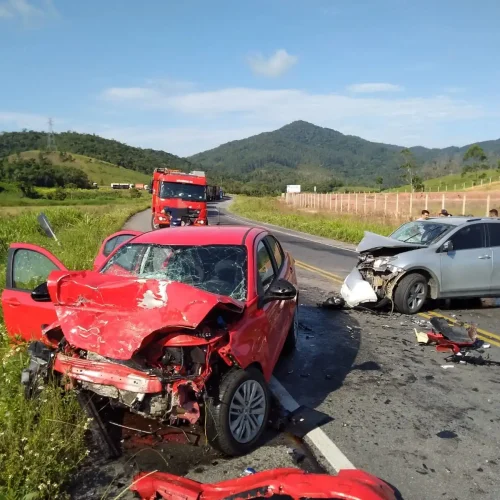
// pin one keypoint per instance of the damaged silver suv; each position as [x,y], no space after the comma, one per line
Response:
[452,257]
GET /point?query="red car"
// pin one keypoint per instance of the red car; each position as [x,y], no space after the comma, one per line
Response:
[184,325]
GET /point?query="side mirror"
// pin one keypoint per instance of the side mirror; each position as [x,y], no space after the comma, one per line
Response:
[448,246]
[41,293]
[280,290]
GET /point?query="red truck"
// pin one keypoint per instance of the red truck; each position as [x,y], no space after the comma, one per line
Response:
[175,192]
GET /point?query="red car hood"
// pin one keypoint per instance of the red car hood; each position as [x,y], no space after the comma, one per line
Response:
[112,315]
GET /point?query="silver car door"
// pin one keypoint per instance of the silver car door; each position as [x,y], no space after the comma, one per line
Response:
[494,233]
[466,269]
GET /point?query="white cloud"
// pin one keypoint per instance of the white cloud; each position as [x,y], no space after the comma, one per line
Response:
[454,90]
[276,65]
[370,88]
[17,121]
[27,10]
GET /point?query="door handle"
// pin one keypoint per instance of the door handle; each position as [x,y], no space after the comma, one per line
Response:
[484,257]
[13,302]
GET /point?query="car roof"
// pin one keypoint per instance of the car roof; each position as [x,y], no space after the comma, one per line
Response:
[195,235]
[459,220]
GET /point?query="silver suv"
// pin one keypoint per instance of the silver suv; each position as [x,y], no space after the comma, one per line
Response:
[452,257]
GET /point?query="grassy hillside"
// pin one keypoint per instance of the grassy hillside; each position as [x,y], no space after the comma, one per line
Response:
[104,173]
[106,150]
[457,182]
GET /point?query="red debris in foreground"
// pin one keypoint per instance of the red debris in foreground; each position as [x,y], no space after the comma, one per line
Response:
[348,485]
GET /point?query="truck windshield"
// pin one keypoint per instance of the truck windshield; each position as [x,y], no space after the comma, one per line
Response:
[421,232]
[183,191]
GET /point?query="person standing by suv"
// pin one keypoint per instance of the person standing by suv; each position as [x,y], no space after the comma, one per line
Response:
[493,212]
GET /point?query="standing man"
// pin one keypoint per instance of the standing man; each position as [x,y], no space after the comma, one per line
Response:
[425,215]
[493,212]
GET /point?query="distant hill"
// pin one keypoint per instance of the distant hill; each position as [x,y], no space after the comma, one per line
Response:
[305,153]
[102,172]
[106,150]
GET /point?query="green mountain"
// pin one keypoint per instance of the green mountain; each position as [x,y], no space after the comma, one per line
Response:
[305,153]
[106,150]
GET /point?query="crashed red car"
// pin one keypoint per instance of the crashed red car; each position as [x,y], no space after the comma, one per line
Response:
[282,483]
[178,326]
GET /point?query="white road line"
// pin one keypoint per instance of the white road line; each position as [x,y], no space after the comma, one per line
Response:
[274,228]
[325,446]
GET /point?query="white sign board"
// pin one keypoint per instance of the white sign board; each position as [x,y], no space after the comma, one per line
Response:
[293,188]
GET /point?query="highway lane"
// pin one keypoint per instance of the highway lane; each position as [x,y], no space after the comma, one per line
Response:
[388,399]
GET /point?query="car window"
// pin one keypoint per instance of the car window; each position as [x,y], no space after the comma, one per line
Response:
[494,230]
[264,265]
[468,237]
[220,269]
[112,243]
[276,250]
[421,232]
[31,268]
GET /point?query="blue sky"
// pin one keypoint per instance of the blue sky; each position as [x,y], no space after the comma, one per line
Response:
[188,75]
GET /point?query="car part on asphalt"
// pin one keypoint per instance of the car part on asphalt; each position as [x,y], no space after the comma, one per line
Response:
[426,259]
[469,358]
[291,483]
[180,332]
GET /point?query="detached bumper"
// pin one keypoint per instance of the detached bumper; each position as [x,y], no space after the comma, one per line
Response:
[105,373]
[356,290]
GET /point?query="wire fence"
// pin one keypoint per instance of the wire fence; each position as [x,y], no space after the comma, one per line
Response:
[397,206]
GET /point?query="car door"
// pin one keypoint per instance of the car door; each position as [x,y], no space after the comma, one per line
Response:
[284,270]
[466,270]
[111,243]
[494,242]
[27,267]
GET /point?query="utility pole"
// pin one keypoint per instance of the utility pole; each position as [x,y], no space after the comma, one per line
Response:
[51,142]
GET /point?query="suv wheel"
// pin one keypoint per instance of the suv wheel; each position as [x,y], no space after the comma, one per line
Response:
[411,293]
[237,420]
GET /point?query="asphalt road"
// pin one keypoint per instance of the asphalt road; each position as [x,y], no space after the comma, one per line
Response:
[393,410]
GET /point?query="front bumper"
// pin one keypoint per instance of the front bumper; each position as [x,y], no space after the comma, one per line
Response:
[107,373]
[356,290]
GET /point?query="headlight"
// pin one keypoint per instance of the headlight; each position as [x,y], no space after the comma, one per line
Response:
[381,264]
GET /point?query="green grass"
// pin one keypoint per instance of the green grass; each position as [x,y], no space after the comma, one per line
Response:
[11,196]
[42,441]
[99,171]
[349,229]
[453,181]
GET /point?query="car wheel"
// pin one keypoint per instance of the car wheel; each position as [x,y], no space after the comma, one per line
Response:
[237,420]
[153,225]
[293,333]
[381,304]
[411,293]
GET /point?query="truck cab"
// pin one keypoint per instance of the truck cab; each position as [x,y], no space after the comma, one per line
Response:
[173,189]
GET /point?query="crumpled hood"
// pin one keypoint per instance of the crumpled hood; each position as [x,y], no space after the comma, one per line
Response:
[373,241]
[112,315]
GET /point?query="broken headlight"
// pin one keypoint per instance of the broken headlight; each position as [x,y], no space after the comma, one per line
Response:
[382,263]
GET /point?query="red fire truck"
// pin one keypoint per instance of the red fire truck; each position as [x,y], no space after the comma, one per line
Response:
[175,192]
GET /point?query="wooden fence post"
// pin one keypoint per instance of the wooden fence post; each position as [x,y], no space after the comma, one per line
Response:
[364,209]
[443,202]
[463,204]
[488,206]
[427,201]
[385,205]
[341,202]
[375,203]
[349,202]
[411,205]
[336,202]
[397,204]
[356,207]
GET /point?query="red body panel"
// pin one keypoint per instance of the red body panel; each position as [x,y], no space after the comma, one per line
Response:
[22,315]
[113,315]
[347,485]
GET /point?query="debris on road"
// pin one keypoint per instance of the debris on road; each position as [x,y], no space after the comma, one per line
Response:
[469,358]
[447,366]
[333,302]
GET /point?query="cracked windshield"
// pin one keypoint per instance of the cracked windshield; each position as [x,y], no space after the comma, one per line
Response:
[217,269]
[252,241]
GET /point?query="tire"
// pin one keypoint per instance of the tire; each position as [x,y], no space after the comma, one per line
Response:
[377,305]
[101,436]
[409,286]
[218,428]
[293,333]
[153,225]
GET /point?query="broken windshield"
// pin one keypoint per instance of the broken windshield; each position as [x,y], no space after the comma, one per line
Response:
[184,191]
[220,269]
[421,232]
